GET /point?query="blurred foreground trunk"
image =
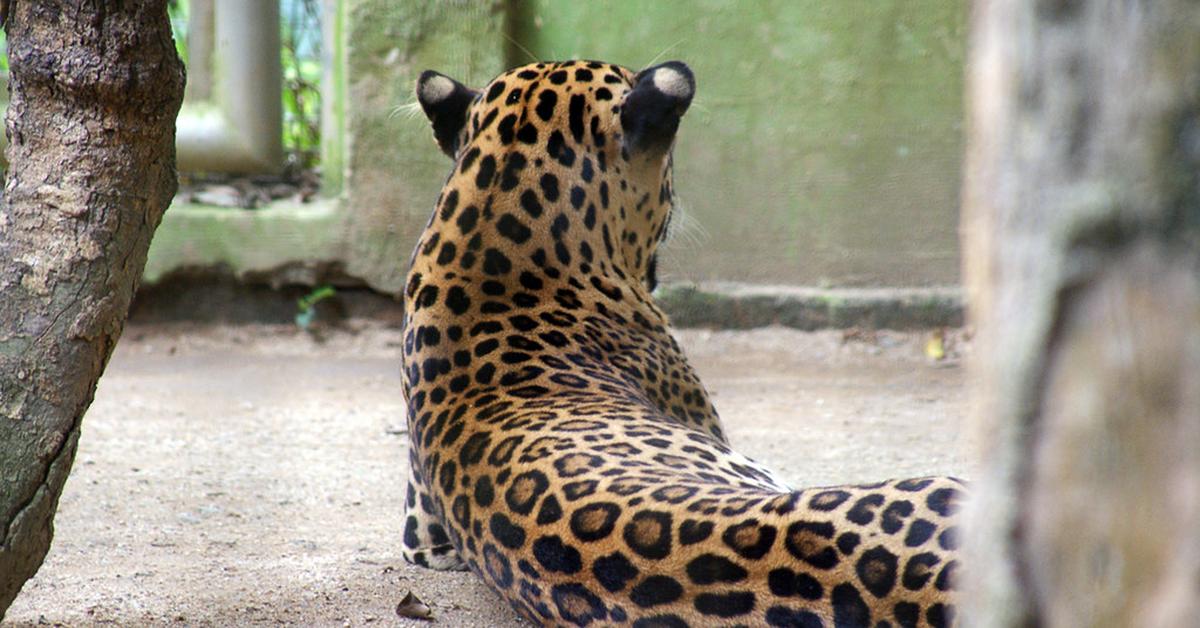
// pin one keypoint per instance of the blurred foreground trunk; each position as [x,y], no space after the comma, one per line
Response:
[1082,242]
[95,87]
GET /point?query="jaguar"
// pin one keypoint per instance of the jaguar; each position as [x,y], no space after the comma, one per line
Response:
[561,447]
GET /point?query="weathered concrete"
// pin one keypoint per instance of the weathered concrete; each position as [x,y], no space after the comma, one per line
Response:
[247,298]
[823,148]
[824,143]
[742,306]
[395,170]
[287,243]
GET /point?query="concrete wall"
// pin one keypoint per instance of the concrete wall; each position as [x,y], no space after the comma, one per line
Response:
[823,148]
[395,169]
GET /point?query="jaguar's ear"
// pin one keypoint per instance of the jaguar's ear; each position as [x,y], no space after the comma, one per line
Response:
[652,109]
[445,102]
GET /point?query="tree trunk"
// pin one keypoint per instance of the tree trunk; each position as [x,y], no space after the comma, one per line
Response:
[1081,234]
[95,88]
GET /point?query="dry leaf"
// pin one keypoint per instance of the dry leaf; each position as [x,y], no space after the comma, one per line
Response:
[412,606]
[935,347]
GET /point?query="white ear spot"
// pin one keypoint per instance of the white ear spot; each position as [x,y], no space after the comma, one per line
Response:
[672,83]
[436,88]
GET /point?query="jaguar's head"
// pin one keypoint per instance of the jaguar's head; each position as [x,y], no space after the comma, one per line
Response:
[574,153]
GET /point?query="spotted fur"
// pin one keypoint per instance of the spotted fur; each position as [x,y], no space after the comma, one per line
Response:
[562,447]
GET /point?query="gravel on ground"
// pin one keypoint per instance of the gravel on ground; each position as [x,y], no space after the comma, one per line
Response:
[253,474]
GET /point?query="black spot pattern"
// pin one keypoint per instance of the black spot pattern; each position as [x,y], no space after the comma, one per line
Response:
[575,117]
[914,485]
[948,539]
[656,591]
[828,500]
[919,531]
[497,566]
[525,490]
[939,615]
[512,228]
[849,609]
[510,177]
[711,568]
[946,577]
[484,493]
[790,618]
[550,512]
[894,516]
[943,501]
[496,263]
[693,531]
[457,300]
[487,169]
[549,185]
[807,542]
[649,534]
[787,583]
[731,604]
[863,511]
[847,541]
[547,99]
[665,620]
[918,570]
[908,615]
[750,539]
[531,204]
[576,604]
[556,556]
[505,532]
[614,571]
[594,521]
[876,568]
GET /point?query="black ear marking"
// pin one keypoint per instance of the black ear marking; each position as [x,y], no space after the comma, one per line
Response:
[652,109]
[445,102]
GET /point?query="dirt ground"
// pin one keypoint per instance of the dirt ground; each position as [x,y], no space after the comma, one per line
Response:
[252,475]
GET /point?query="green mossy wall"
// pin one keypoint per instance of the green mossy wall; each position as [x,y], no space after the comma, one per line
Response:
[824,144]
[823,148]
[395,169]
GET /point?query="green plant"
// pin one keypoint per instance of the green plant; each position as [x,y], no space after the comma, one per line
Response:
[300,55]
[307,304]
[179,11]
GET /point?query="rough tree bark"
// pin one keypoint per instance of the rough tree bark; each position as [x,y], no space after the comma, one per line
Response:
[1082,240]
[95,88]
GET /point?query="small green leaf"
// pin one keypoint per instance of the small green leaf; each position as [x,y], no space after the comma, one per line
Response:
[307,301]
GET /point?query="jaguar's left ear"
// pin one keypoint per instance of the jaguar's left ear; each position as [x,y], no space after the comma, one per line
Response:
[652,110]
[445,102]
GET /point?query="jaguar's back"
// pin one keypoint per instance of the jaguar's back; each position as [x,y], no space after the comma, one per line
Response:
[562,447]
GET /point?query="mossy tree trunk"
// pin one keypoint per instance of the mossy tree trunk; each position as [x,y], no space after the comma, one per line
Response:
[95,88]
[1082,245]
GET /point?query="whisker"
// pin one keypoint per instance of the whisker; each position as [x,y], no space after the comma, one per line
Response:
[685,231]
[533,58]
[408,110]
[663,52]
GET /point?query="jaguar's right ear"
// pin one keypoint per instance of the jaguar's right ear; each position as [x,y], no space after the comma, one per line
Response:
[445,102]
[652,110]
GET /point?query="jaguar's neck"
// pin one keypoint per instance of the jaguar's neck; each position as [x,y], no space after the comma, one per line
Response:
[508,279]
